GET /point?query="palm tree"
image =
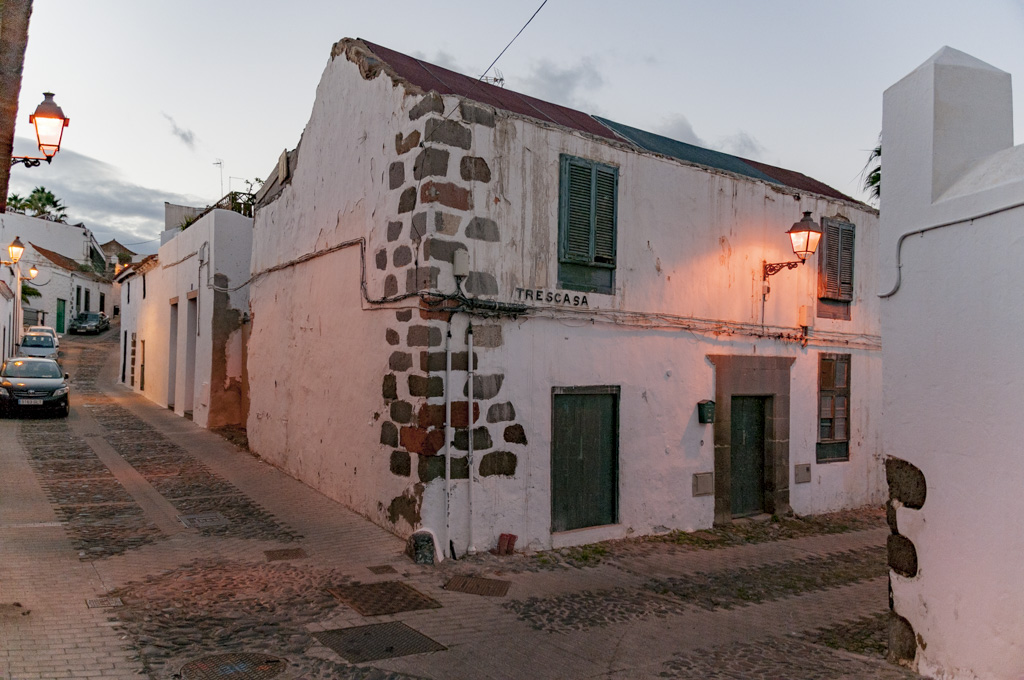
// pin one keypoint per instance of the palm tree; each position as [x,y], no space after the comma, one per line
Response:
[16,203]
[27,292]
[43,203]
[872,172]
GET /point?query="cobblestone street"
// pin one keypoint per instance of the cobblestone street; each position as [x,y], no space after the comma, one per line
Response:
[136,544]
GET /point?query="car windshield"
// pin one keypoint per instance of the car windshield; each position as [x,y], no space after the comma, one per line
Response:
[85,316]
[30,369]
[37,341]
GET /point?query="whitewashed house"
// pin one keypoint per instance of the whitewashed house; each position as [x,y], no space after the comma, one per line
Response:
[182,320]
[952,243]
[609,281]
[66,288]
[69,260]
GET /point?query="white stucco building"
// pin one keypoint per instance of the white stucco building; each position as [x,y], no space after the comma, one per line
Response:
[614,280]
[62,253]
[952,240]
[183,315]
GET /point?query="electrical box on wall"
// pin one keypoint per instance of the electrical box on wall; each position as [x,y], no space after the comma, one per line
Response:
[703,483]
[705,412]
[804,316]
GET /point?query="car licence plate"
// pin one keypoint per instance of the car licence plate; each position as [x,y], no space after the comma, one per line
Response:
[30,402]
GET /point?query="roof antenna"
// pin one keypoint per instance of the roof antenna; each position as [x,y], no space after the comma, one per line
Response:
[220,163]
[497,79]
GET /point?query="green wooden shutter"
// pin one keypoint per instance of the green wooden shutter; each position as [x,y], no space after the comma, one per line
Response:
[606,190]
[846,262]
[835,263]
[578,197]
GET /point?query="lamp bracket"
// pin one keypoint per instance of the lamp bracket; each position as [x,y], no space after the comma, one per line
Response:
[30,162]
[772,268]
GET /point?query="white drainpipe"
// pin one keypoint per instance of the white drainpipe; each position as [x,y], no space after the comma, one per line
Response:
[469,456]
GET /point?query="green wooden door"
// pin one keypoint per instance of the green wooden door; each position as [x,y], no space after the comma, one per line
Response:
[584,458]
[60,315]
[746,479]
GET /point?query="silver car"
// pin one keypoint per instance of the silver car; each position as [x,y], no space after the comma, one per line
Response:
[45,329]
[41,345]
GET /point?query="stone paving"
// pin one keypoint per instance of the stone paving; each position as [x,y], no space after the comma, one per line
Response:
[90,513]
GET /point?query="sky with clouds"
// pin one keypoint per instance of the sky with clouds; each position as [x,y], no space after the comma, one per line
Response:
[184,101]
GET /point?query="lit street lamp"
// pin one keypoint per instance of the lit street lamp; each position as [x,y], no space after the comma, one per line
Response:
[15,251]
[49,122]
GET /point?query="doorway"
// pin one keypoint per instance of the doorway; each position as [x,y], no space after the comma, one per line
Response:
[61,311]
[191,327]
[584,457]
[172,357]
[747,452]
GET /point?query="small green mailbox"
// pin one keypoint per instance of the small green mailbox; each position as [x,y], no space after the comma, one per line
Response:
[705,411]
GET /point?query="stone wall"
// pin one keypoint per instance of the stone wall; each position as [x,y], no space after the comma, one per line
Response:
[433,182]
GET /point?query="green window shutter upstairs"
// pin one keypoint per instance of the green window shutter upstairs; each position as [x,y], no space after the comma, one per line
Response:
[846,262]
[606,190]
[579,201]
[835,275]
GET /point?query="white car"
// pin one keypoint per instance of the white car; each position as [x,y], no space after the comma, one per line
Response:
[38,345]
[45,329]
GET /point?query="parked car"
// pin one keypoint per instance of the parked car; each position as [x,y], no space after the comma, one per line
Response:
[38,345]
[45,329]
[33,384]
[89,322]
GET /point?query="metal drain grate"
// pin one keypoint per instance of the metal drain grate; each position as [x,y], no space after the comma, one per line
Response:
[385,597]
[101,602]
[383,569]
[234,666]
[285,554]
[476,585]
[377,641]
[202,520]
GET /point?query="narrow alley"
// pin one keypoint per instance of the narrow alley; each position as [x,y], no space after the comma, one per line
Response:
[135,544]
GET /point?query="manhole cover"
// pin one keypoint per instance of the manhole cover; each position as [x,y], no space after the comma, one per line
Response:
[377,641]
[383,569]
[101,602]
[234,667]
[385,597]
[285,554]
[203,519]
[475,585]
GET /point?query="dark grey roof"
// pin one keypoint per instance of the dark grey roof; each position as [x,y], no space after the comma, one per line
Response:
[685,152]
[721,161]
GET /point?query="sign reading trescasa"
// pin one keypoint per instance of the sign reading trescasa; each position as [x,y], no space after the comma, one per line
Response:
[555,297]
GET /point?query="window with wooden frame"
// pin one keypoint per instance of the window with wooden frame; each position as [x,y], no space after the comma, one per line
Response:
[587,215]
[833,407]
[835,268]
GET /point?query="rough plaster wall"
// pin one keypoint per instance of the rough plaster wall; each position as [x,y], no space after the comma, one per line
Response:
[704,237]
[316,361]
[953,379]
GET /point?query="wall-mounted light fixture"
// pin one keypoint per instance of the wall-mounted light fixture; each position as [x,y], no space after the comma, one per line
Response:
[804,236]
[49,121]
[14,251]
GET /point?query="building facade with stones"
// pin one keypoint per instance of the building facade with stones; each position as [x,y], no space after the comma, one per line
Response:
[952,240]
[183,316]
[613,281]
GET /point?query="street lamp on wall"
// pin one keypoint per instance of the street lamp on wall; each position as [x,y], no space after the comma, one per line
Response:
[15,251]
[49,121]
[804,236]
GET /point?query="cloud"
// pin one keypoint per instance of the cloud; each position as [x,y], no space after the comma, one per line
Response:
[678,127]
[741,144]
[562,85]
[187,137]
[97,194]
